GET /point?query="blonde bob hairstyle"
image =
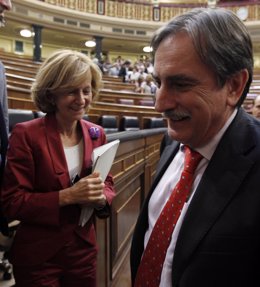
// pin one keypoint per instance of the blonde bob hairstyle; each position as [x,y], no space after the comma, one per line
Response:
[60,73]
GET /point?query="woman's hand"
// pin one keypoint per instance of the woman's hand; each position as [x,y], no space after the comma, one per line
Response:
[87,191]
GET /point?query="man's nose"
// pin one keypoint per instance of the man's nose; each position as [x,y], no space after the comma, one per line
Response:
[164,100]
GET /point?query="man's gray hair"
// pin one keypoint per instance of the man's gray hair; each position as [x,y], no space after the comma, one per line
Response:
[220,39]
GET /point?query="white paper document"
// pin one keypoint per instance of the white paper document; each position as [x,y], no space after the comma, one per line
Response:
[102,158]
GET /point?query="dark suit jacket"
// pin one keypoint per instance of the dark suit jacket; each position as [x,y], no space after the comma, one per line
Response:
[36,170]
[219,241]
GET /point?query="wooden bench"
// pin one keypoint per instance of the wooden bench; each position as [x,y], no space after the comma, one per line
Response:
[18,84]
[112,78]
[18,64]
[118,86]
[19,103]
[111,96]
[19,71]
[16,57]
[18,92]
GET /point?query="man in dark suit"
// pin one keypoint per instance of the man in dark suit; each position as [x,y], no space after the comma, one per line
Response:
[4,5]
[203,66]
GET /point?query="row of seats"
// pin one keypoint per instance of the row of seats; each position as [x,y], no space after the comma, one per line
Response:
[127,123]
[108,122]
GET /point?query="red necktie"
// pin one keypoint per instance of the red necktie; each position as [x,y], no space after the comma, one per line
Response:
[150,268]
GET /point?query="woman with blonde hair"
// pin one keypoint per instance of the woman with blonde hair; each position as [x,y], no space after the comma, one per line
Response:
[48,178]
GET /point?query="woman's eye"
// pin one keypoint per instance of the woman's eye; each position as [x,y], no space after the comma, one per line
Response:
[72,92]
[86,92]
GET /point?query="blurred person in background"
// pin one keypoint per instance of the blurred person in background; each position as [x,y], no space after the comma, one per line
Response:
[256,107]
[148,86]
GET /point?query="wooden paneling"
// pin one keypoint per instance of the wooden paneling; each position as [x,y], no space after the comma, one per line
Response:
[133,169]
[20,103]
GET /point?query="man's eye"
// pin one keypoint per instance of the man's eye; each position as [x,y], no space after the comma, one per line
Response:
[183,85]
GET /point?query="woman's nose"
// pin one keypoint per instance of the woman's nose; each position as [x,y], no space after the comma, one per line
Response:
[81,97]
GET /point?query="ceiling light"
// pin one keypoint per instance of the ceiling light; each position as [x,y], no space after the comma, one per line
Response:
[26,33]
[90,44]
[147,49]
[242,13]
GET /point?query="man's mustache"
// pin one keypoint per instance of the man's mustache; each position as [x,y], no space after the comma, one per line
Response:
[176,114]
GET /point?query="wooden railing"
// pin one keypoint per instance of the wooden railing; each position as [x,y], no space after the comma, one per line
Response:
[133,171]
[147,10]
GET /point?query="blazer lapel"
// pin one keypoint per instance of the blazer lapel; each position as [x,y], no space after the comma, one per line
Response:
[56,150]
[219,184]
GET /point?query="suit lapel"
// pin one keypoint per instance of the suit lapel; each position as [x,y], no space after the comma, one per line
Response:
[219,184]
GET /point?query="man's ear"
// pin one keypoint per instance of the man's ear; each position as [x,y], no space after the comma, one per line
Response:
[236,84]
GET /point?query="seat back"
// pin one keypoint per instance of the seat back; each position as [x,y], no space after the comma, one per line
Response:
[109,123]
[19,116]
[129,123]
[129,102]
[85,117]
[149,103]
[152,123]
[39,114]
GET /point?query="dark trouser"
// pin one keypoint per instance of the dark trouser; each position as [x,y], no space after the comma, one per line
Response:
[73,266]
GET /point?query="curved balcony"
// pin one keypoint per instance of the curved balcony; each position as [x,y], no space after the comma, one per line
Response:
[124,26]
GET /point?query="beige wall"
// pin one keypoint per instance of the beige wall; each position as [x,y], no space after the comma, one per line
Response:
[7,44]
